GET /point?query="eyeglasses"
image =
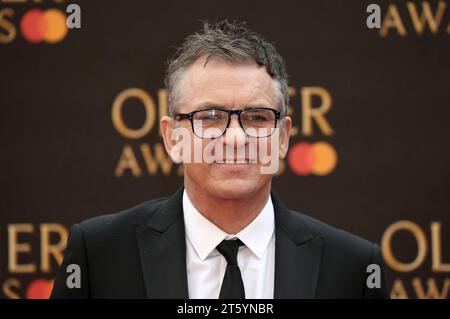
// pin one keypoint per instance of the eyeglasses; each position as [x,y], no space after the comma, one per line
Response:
[212,123]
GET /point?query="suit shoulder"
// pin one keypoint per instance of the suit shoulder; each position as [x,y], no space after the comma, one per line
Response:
[126,219]
[335,238]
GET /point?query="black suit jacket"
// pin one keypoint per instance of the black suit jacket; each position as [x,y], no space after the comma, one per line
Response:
[141,253]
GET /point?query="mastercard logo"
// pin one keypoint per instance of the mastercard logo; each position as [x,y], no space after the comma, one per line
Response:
[39,289]
[318,158]
[49,25]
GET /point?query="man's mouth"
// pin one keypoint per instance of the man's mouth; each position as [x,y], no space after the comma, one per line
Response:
[244,161]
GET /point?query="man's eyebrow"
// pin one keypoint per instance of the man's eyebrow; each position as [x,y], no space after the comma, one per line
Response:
[256,105]
[210,105]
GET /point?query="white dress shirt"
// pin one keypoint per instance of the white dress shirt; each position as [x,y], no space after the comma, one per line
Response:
[206,266]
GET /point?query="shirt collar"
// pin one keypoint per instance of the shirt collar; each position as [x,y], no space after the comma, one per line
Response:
[205,236]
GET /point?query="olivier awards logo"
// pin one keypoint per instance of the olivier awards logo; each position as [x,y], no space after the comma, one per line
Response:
[428,254]
[33,251]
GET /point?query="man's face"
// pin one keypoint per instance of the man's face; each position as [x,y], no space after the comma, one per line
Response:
[230,86]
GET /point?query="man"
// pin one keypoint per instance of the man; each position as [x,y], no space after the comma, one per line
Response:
[224,234]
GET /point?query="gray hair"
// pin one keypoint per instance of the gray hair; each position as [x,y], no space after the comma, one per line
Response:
[232,42]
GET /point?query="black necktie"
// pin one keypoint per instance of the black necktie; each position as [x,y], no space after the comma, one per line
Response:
[232,285]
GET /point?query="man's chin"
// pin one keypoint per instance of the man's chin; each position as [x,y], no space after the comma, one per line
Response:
[235,188]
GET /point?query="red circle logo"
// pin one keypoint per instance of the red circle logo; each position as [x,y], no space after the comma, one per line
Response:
[39,289]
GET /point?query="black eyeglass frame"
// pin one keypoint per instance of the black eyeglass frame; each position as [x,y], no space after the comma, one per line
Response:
[190,117]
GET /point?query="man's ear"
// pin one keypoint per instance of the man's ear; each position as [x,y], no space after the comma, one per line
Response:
[167,124]
[284,136]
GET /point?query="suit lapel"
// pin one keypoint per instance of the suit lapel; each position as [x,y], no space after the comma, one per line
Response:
[297,255]
[162,248]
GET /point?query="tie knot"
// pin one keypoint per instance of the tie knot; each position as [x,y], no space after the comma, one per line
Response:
[229,249]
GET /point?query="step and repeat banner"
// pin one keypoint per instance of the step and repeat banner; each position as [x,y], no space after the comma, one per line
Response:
[82,91]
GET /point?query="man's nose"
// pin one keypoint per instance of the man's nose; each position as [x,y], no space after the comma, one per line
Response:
[235,135]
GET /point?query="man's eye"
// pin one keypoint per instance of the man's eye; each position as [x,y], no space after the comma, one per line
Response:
[257,118]
[209,117]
